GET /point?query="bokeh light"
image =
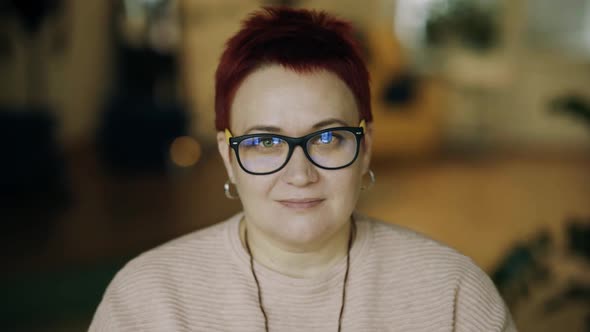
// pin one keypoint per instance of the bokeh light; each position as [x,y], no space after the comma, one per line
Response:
[185,151]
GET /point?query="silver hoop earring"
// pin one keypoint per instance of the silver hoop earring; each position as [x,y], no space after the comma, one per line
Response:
[227,191]
[371,184]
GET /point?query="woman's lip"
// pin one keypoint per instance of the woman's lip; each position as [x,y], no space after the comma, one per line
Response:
[301,203]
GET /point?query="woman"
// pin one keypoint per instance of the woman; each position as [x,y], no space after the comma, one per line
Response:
[294,121]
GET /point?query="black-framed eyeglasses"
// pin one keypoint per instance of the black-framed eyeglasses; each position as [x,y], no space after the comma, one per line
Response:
[265,153]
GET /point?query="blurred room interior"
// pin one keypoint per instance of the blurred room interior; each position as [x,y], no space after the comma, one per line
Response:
[482,141]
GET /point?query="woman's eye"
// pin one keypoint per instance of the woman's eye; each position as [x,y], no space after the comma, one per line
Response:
[269,142]
[326,138]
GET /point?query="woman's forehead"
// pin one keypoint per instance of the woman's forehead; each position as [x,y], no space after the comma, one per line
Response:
[277,97]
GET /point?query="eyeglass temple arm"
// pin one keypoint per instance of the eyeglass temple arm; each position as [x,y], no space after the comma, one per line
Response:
[228,135]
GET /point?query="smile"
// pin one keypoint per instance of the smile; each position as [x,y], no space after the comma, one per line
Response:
[300,204]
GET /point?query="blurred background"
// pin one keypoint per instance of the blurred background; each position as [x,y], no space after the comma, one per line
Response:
[482,141]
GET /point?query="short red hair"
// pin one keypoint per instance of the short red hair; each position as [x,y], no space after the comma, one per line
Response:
[297,39]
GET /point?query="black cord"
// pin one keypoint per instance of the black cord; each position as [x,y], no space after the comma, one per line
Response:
[350,239]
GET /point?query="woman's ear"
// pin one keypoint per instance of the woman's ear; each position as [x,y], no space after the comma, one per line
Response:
[225,153]
[367,145]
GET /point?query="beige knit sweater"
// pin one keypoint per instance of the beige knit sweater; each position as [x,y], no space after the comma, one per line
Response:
[398,281]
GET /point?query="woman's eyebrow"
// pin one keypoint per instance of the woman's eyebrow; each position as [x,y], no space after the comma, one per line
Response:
[328,122]
[270,129]
[273,129]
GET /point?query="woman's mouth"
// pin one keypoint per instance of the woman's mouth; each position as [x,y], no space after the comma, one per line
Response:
[299,204]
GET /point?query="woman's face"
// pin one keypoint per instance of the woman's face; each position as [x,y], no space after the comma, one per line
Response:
[300,205]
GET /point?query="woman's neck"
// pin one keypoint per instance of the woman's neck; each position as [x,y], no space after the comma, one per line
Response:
[303,263]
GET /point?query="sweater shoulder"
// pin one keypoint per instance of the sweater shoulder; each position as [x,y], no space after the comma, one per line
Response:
[391,234]
[155,289]
[429,276]
[199,254]
[417,251]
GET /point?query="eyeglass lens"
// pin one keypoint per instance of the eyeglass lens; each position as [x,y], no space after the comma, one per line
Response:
[267,153]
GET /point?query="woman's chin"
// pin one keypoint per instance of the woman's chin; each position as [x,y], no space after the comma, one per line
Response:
[303,230]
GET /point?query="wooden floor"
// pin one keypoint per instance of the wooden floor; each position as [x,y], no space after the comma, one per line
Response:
[481,206]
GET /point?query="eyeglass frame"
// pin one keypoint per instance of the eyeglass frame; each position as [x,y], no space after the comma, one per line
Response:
[293,142]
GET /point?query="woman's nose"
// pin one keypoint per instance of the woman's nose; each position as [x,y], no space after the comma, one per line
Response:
[299,171]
